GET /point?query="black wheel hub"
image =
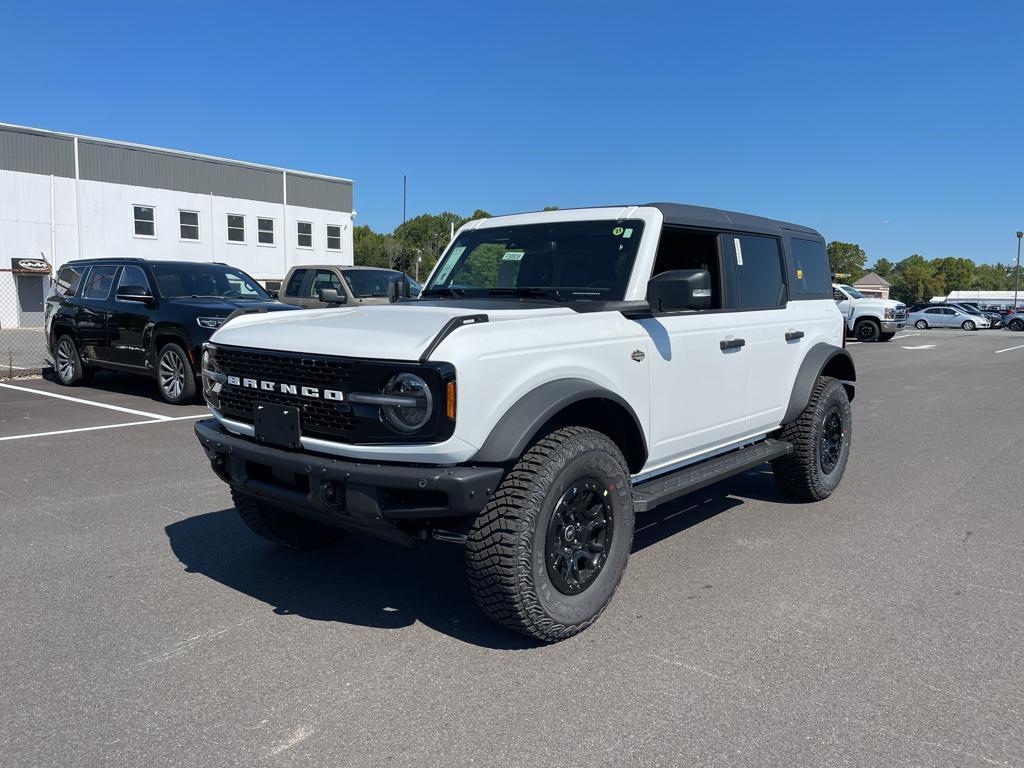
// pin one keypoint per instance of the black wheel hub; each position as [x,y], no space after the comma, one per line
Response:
[578,536]
[831,443]
[865,331]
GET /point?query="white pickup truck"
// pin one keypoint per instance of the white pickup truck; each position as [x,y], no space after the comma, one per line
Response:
[869,318]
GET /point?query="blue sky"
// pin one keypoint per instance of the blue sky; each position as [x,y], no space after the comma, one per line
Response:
[896,127]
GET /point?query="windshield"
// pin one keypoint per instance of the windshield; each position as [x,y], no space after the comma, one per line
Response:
[206,281]
[564,261]
[367,283]
[854,293]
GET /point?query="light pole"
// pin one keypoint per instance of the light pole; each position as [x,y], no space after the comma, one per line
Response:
[1016,272]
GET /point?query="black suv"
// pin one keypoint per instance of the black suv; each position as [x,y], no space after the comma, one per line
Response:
[148,317]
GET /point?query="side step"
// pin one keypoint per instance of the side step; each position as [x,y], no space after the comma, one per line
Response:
[650,493]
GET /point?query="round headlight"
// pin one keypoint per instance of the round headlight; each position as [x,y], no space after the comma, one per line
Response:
[415,412]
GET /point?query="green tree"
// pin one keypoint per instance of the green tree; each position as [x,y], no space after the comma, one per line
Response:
[846,259]
[955,273]
[550,208]
[883,268]
[991,277]
[915,280]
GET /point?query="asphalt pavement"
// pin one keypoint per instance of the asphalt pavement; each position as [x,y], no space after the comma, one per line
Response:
[143,625]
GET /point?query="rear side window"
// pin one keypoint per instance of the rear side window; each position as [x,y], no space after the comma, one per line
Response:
[295,282]
[758,268]
[100,281]
[68,281]
[324,278]
[811,271]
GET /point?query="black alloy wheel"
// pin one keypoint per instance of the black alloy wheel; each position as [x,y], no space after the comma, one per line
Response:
[830,446]
[578,536]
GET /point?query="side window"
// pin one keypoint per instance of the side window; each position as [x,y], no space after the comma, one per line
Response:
[691,249]
[295,282]
[838,295]
[758,268]
[811,271]
[100,281]
[933,311]
[133,277]
[324,278]
[68,280]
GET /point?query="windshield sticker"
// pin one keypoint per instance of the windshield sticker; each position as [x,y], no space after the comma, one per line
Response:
[450,262]
[513,256]
[628,233]
[799,274]
[617,231]
[739,250]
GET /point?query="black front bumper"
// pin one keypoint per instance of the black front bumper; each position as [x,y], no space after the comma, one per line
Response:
[366,497]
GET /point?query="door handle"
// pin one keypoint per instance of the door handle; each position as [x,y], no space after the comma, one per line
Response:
[731,344]
[794,335]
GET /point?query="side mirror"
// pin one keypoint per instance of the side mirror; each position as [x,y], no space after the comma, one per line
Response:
[134,293]
[398,289]
[679,289]
[331,296]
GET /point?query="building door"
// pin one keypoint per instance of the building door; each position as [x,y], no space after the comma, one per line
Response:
[30,300]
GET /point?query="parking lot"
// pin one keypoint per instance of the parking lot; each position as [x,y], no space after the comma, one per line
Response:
[143,624]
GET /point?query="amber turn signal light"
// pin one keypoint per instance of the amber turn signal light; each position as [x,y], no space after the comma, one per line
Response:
[449,400]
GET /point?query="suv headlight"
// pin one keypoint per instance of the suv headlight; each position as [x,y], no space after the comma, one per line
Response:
[210,323]
[412,406]
[213,379]
[890,313]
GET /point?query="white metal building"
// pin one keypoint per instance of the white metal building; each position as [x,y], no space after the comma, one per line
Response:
[64,196]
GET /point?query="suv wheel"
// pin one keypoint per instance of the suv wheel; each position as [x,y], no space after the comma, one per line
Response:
[921,325]
[968,325]
[821,439]
[282,527]
[1016,324]
[547,552]
[867,330]
[174,375]
[67,363]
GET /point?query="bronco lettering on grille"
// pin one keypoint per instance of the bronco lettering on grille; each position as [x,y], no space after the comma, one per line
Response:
[286,389]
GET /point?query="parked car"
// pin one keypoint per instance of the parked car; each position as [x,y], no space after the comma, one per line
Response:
[869,318]
[560,372]
[944,316]
[351,285]
[148,317]
[1014,321]
[995,319]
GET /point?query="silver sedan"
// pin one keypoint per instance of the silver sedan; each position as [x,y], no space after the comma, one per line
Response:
[946,317]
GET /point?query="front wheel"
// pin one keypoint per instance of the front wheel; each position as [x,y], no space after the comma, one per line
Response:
[175,376]
[1016,324]
[821,439]
[867,330]
[969,325]
[547,552]
[921,325]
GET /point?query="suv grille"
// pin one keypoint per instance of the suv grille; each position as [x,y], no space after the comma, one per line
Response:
[901,312]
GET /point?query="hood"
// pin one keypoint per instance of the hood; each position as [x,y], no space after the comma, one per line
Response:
[224,307]
[385,332]
[879,302]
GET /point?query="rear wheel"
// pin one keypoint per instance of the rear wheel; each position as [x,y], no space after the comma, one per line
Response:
[969,325]
[886,336]
[867,330]
[67,362]
[174,375]
[547,552]
[282,527]
[821,439]
[1017,324]
[921,325]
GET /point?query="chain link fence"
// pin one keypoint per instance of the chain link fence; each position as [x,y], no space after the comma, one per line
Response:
[22,336]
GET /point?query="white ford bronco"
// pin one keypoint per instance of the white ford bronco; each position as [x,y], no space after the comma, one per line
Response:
[869,318]
[560,372]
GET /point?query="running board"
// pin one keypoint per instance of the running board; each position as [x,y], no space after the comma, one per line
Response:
[650,493]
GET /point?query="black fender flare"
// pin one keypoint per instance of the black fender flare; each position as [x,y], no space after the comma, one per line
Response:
[175,331]
[518,426]
[821,356]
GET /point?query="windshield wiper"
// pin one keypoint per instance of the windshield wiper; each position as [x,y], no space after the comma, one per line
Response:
[445,291]
[545,293]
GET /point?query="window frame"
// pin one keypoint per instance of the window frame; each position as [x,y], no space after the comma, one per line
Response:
[735,294]
[227,222]
[299,235]
[113,282]
[273,232]
[197,225]
[136,220]
[329,227]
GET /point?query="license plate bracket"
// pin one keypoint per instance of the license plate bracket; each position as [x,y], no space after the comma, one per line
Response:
[277,424]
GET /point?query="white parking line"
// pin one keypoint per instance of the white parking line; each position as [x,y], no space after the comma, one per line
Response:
[105,426]
[905,335]
[148,415]
[1010,349]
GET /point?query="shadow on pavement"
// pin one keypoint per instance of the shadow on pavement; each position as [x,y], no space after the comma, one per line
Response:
[369,583]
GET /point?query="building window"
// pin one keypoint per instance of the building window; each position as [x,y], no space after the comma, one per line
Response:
[236,228]
[333,238]
[305,234]
[145,221]
[265,231]
[188,225]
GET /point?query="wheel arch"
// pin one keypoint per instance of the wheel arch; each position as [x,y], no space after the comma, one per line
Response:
[822,360]
[565,402]
[162,334]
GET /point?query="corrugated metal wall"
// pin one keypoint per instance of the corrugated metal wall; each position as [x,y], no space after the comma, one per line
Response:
[36,153]
[312,192]
[146,168]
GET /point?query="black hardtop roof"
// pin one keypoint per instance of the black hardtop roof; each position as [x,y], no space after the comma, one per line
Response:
[151,262]
[699,216]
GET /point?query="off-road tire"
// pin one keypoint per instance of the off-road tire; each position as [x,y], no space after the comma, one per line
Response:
[67,363]
[506,548]
[886,336]
[1016,324]
[921,325]
[283,528]
[969,325]
[187,393]
[800,474]
[867,330]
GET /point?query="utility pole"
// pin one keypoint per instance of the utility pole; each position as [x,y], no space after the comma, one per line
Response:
[1016,272]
